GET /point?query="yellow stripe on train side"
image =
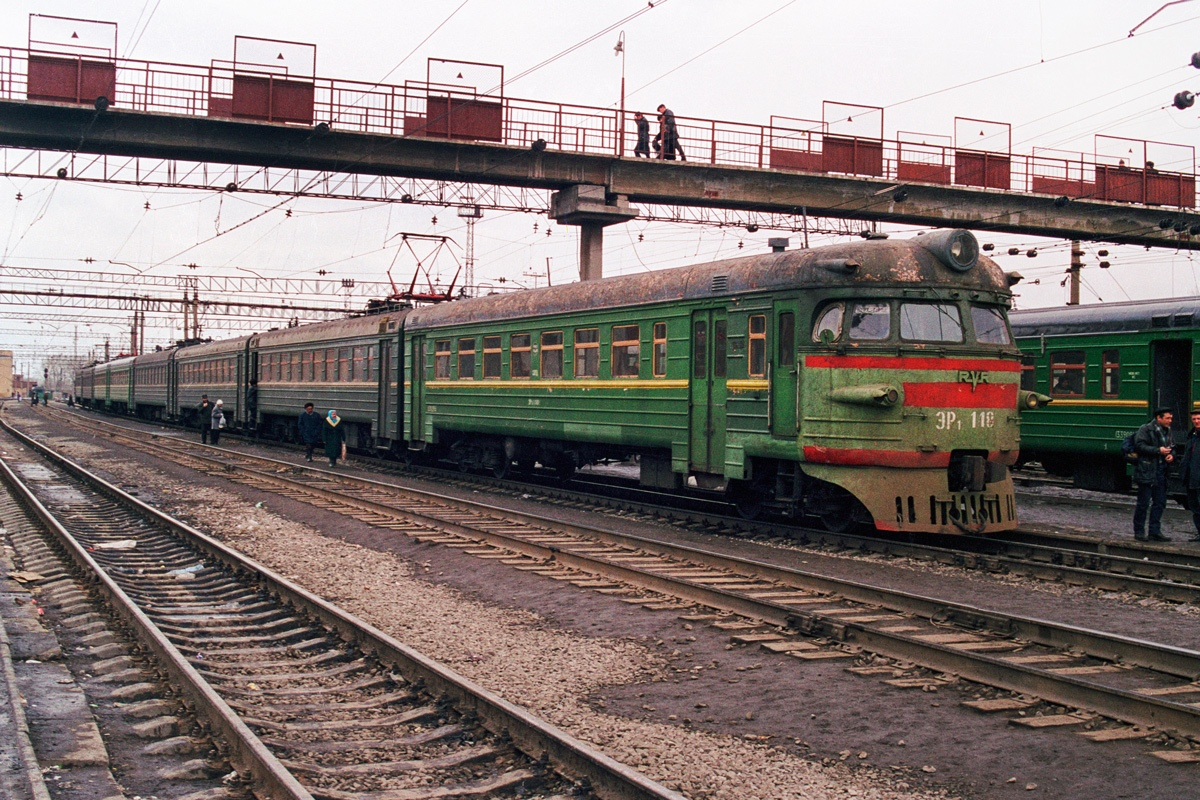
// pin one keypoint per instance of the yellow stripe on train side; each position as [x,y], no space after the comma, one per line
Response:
[751,385]
[1060,401]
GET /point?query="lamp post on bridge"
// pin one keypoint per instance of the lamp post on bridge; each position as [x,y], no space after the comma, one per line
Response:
[619,50]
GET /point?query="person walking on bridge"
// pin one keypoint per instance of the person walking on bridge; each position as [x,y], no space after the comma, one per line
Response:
[670,134]
[642,149]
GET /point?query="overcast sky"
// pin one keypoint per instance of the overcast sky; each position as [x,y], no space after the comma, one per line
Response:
[1059,72]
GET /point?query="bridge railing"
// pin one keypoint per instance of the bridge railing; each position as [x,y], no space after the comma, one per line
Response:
[265,93]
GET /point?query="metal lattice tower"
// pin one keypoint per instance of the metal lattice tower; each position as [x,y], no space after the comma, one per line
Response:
[470,214]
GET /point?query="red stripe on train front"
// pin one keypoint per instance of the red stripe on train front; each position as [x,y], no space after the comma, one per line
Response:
[904,362]
[960,395]
[875,458]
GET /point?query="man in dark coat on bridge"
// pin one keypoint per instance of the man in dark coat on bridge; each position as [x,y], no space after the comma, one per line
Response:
[642,149]
[1190,467]
[309,427]
[1152,442]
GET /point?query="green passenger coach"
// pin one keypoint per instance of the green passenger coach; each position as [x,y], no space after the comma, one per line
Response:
[1106,367]
[875,381]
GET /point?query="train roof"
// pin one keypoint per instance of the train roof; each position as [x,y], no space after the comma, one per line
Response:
[124,362]
[1138,315]
[155,357]
[371,325]
[209,349]
[880,263]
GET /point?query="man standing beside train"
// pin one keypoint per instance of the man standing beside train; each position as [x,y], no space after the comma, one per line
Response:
[1152,443]
[1191,472]
[204,417]
[309,427]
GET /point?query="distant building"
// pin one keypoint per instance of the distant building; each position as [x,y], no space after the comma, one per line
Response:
[6,373]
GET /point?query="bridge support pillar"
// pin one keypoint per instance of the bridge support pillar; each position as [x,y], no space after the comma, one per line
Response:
[589,208]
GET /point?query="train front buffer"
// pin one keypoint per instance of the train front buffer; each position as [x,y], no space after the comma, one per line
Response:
[923,442]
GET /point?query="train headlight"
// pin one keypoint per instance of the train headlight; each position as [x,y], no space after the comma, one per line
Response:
[878,395]
[957,249]
[1032,400]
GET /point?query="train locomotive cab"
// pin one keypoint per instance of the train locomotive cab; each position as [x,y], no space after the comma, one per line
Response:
[906,387]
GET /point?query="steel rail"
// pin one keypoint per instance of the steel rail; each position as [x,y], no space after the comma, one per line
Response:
[1067,690]
[249,755]
[537,738]
[1150,572]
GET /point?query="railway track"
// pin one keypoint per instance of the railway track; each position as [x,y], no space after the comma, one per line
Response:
[1117,687]
[1110,564]
[308,701]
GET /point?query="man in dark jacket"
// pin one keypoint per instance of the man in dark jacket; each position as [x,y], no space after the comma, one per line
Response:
[1190,467]
[204,418]
[309,426]
[642,149]
[1153,446]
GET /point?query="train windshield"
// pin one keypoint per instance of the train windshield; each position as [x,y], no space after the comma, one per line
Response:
[990,325]
[871,321]
[930,322]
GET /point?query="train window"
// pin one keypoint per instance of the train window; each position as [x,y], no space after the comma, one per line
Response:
[346,364]
[520,362]
[331,365]
[990,326]
[700,349]
[287,367]
[1028,373]
[492,354]
[787,339]
[1067,374]
[319,365]
[720,347]
[587,353]
[626,350]
[871,321]
[466,358]
[277,366]
[306,359]
[441,359]
[1110,373]
[552,355]
[757,367]
[360,364]
[660,349]
[373,363]
[930,322]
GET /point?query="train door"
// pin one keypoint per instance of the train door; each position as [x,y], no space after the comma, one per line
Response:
[708,391]
[1171,365]
[783,372]
[416,376]
[386,378]
[172,396]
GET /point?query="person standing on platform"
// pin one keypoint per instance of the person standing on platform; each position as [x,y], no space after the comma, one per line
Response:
[642,150]
[335,438]
[1152,443]
[204,418]
[218,422]
[1190,467]
[308,426]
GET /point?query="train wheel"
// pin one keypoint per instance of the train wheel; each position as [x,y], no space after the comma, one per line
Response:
[500,468]
[564,470]
[838,519]
[748,499]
